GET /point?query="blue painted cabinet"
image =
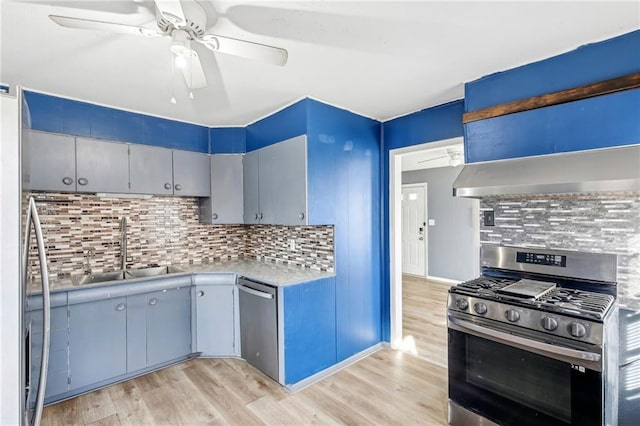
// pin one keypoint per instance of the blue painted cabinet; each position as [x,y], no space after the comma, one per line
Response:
[97,341]
[168,320]
[309,313]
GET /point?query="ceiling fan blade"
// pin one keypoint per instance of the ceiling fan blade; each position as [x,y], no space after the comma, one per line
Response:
[172,11]
[89,24]
[215,84]
[193,72]
[246,49]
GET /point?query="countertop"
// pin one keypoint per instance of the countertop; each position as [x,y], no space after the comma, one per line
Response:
[276,274]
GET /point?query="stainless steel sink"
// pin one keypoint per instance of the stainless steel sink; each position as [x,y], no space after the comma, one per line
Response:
[102,277]
[153,271]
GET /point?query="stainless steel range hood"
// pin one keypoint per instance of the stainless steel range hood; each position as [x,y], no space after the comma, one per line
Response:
[599,170]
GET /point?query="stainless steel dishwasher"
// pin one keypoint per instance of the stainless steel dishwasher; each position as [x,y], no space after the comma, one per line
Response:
[259,325]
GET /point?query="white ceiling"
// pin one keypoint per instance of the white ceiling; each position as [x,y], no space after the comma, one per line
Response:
[380,59]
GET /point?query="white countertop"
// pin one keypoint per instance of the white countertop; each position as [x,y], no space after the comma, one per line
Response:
[275,274]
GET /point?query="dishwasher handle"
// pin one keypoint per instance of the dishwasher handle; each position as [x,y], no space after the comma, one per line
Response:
[255,292]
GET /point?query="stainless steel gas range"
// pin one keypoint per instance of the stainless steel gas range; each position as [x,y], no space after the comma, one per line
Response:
[533,340]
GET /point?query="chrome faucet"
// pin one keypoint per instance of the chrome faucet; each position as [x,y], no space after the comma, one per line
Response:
[123,243]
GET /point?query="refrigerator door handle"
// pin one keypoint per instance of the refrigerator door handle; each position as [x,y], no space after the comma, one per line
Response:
[32,217]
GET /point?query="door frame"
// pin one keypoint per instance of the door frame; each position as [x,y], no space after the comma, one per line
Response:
[395,233]
[426,219]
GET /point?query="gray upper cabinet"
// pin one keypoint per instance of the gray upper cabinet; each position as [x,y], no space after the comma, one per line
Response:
[102,166]
[97,341]
[191,174]
[290,182]
[150,170]
[278,194]
[48,161]
[251,181]
[225,206]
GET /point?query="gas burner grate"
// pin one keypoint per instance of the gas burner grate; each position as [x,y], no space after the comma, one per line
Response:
[584,302]
[484,285]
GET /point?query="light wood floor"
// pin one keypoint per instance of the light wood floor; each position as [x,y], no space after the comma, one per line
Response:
[387,388]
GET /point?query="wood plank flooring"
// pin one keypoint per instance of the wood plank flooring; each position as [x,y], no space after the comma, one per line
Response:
[387,388]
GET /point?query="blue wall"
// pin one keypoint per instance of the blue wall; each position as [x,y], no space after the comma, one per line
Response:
[343,158]
[429,125]
[59,115]
[228,140]
[604,121]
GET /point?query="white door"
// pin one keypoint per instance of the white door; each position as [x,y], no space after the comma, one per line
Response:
[414,247]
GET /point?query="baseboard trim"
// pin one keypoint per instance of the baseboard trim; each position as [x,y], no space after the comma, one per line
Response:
[443,280]
[296,387]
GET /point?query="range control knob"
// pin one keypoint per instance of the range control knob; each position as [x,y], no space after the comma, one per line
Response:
[512,315]
[480,308]
[577,330]
[549,323]
[462,304]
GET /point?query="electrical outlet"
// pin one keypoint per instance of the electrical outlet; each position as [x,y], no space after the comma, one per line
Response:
[489,218]
[292,244]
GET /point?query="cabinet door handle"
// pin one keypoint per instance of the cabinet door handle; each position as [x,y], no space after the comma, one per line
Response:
[178,187]
[83,181]
[200,293]
[153,301]
[167,185]
[67,180]
[120,307]
[257,216]
[214,216]
[261,216]
[301,216]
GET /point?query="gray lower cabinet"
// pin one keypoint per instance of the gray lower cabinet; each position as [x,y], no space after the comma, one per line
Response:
[158,327]
[102,166]
[97,341]
[58,371]
[191,174]
[215,320]
[48,161]
[251,181]
[225,206]
[150,170]
[168,318]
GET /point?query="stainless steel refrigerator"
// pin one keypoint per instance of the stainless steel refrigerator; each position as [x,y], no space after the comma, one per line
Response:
[36,314]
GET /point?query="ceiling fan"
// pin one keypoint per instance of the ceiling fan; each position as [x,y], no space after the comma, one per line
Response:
[185,21]
[453,154]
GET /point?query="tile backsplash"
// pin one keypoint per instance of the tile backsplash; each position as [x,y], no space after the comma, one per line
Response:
[607,223]
[82,233]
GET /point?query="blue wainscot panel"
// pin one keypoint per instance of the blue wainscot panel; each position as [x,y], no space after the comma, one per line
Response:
[309,328]
[128,126]
[604,60]
[45,112]
[227,140]
[76,118]
[599,122]
[284,124]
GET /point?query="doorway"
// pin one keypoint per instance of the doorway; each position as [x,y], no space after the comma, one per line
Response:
[398,160]
[414,229]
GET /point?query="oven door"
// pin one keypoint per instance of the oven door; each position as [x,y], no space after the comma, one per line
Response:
[511,379]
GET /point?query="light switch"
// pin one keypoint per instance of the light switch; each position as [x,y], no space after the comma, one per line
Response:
[432,222]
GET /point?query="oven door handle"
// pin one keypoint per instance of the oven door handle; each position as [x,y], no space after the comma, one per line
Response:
[526,343]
